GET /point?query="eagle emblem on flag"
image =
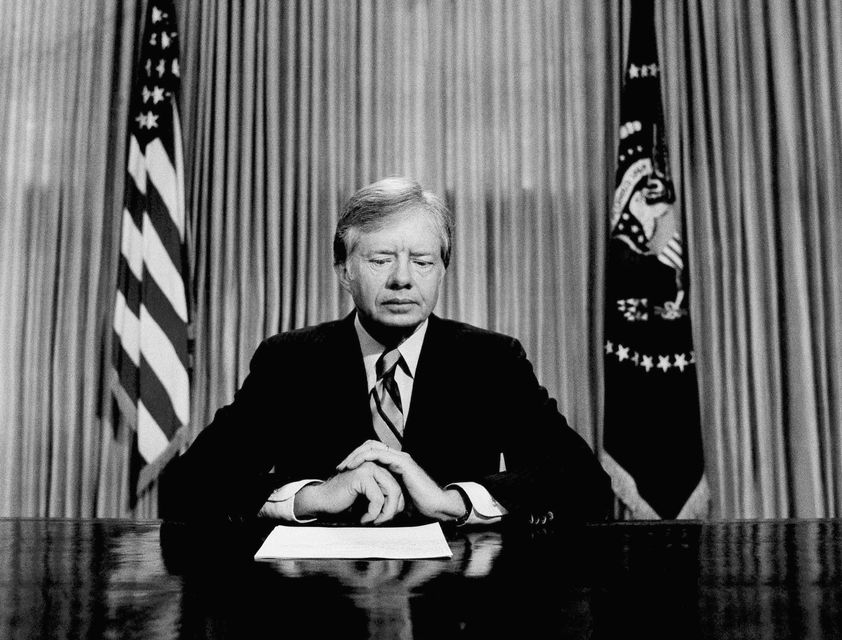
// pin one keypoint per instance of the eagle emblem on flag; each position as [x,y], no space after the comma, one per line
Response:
[652,446]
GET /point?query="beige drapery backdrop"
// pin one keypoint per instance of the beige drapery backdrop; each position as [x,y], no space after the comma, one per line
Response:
[507,108]
[754,93]
[64,69]
[490,103]
[487,103]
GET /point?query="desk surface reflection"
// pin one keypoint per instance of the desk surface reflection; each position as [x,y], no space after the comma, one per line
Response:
[92,579]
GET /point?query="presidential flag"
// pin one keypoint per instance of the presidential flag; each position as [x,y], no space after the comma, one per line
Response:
[151,315]
[652,445]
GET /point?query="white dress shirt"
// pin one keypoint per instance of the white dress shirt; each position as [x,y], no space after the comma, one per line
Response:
[485,509]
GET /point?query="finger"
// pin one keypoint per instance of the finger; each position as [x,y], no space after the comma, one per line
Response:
[365,446]
[355,459]
[391,491]
[371,490]
[387,457]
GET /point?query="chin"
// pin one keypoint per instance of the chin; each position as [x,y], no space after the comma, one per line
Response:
[401,321]
[405,320]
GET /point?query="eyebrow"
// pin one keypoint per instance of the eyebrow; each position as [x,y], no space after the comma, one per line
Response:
[390,252]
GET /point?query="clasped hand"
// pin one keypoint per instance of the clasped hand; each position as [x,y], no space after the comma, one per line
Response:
[387,479]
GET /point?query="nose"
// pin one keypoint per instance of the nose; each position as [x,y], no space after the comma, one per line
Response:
[400,276]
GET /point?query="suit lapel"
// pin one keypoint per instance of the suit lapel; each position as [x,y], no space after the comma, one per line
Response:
[429,387]
[430,379]
[348,372]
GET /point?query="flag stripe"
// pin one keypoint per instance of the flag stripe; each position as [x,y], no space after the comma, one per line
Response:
[164,226]
[129,286]
[137,166]
[135,203]
[160,267]
[158,305]
[131,246]
[162,174]
[157,400]
[127,327]
[180,213]
[127,371]
[159,352]
[151,312]
[151,441]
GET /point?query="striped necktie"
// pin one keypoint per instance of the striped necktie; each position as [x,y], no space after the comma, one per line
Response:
[385,401]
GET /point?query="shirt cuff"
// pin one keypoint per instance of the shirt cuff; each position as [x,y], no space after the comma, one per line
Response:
[486,510]
[284,500]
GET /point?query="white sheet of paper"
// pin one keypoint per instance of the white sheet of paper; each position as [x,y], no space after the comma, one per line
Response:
[424,541]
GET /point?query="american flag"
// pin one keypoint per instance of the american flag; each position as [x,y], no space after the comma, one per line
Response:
[652,445]
[151,313]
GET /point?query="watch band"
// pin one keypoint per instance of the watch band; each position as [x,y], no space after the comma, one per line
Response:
[469,506]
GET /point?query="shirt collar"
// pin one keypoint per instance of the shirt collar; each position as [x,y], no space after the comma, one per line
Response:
[410,349]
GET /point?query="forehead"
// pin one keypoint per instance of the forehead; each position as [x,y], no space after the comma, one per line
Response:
[414,229]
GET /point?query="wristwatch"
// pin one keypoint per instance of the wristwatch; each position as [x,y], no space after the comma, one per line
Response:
[469,507]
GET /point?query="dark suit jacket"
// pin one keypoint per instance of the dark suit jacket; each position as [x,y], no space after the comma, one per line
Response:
[304,406]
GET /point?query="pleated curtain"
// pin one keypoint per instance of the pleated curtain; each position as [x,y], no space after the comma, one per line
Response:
[755,96]
[509,110]
[490,104]
[64,72]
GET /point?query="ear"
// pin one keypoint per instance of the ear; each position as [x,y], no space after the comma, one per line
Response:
[341,270]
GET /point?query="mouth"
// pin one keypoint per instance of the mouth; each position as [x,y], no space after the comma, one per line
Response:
[399,303]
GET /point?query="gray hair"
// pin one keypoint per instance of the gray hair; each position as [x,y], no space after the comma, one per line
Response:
[370,207]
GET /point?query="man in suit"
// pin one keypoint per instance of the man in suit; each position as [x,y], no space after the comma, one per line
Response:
[391,409]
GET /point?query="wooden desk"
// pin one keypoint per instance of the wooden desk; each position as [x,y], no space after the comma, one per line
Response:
[92,579]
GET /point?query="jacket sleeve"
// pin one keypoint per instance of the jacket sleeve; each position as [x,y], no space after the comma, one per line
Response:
[551,472]
[225,474]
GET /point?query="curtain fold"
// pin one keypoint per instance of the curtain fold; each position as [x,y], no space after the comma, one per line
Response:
[753,90]
[508,109]
[491,104]
[60,104]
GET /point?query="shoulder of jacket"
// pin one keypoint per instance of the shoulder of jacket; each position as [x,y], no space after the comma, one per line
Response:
[469,334]
[304,336]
